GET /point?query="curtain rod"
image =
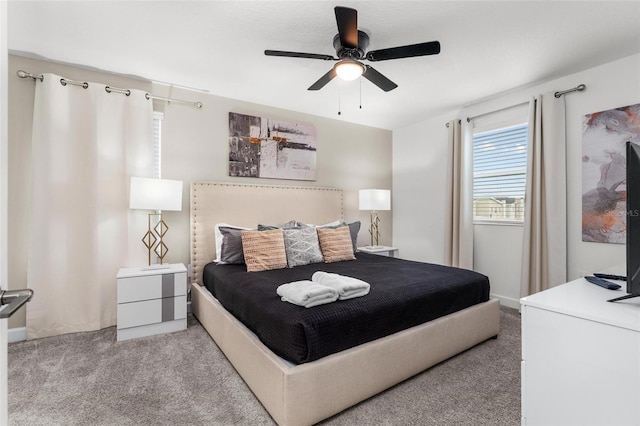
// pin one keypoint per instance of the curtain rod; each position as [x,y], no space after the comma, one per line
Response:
[496,110]
[578,88]
[108,89]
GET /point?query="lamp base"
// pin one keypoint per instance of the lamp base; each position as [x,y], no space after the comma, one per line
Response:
[152,239]
[374,228]
[156,266]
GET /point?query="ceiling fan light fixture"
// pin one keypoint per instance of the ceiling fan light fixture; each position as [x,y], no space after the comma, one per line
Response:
[349,70]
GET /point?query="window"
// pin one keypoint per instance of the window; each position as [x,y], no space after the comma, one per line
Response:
[157,143]
[499,173]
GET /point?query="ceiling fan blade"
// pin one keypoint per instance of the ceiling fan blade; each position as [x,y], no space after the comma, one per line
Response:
[409,51]
[323,80]
[347,20]
[299,55]
[378,79]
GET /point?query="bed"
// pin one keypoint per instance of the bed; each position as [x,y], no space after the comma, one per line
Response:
[308,392]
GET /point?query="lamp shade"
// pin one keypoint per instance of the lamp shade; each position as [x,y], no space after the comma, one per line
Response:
[375,199]
[155,194]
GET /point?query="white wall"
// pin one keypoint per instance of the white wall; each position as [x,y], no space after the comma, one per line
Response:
[611,85]
[195,148]
[419,184]
[497,253]
[4,59]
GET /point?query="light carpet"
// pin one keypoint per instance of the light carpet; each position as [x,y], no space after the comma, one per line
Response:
[183,378]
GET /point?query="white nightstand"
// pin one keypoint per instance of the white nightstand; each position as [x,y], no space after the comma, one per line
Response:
[151,301]
[380,250]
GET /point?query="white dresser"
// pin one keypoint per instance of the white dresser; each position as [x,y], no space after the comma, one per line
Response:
[580,357]
[151,301]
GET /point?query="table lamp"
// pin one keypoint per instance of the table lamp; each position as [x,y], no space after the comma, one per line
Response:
[375,200]
[158,195]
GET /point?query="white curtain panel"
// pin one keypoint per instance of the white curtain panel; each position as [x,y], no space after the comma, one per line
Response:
[86,145]
[459,209]
[544,257]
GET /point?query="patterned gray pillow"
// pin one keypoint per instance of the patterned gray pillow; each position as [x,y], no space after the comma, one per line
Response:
[288,225]
[302,246]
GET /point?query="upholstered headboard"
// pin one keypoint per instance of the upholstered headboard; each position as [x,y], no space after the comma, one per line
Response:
[249,205]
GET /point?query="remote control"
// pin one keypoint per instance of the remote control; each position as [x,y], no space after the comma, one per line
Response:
[602,283]
[610,277]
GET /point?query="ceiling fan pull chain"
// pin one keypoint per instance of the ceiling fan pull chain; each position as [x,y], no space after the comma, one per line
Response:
[339,112]
[360,93]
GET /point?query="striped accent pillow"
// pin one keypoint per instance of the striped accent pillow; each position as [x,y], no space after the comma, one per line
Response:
[335,244]
[264,250]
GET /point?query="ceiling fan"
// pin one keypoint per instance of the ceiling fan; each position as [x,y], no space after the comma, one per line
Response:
[351,45]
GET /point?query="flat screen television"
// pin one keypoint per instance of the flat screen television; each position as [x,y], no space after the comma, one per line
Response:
[633,222]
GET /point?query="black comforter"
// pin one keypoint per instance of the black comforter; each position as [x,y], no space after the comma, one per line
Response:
[403,294]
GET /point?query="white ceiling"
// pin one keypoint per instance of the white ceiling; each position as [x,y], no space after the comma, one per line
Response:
[487,47]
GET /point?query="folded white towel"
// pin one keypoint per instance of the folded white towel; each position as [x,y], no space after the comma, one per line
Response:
[347,287]
[307,293]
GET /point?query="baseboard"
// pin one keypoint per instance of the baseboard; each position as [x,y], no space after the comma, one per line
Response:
[17,334]
[507,301]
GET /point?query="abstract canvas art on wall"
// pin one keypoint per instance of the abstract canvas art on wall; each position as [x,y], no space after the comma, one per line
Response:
[604,136]
[267,148]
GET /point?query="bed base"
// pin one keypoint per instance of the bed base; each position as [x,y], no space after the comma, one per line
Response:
[298,395]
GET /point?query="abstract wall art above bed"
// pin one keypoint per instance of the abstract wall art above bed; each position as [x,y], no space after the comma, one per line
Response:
[604,194]
[267,148]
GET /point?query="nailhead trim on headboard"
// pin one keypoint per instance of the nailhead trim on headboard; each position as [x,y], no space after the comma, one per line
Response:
[212,202]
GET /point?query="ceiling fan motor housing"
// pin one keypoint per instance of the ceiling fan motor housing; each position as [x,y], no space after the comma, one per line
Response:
[357,52]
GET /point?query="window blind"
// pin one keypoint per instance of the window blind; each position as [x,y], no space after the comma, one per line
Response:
[499,173]
[157,143]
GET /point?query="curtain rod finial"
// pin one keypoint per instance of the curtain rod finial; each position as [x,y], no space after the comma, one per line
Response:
[24,74]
